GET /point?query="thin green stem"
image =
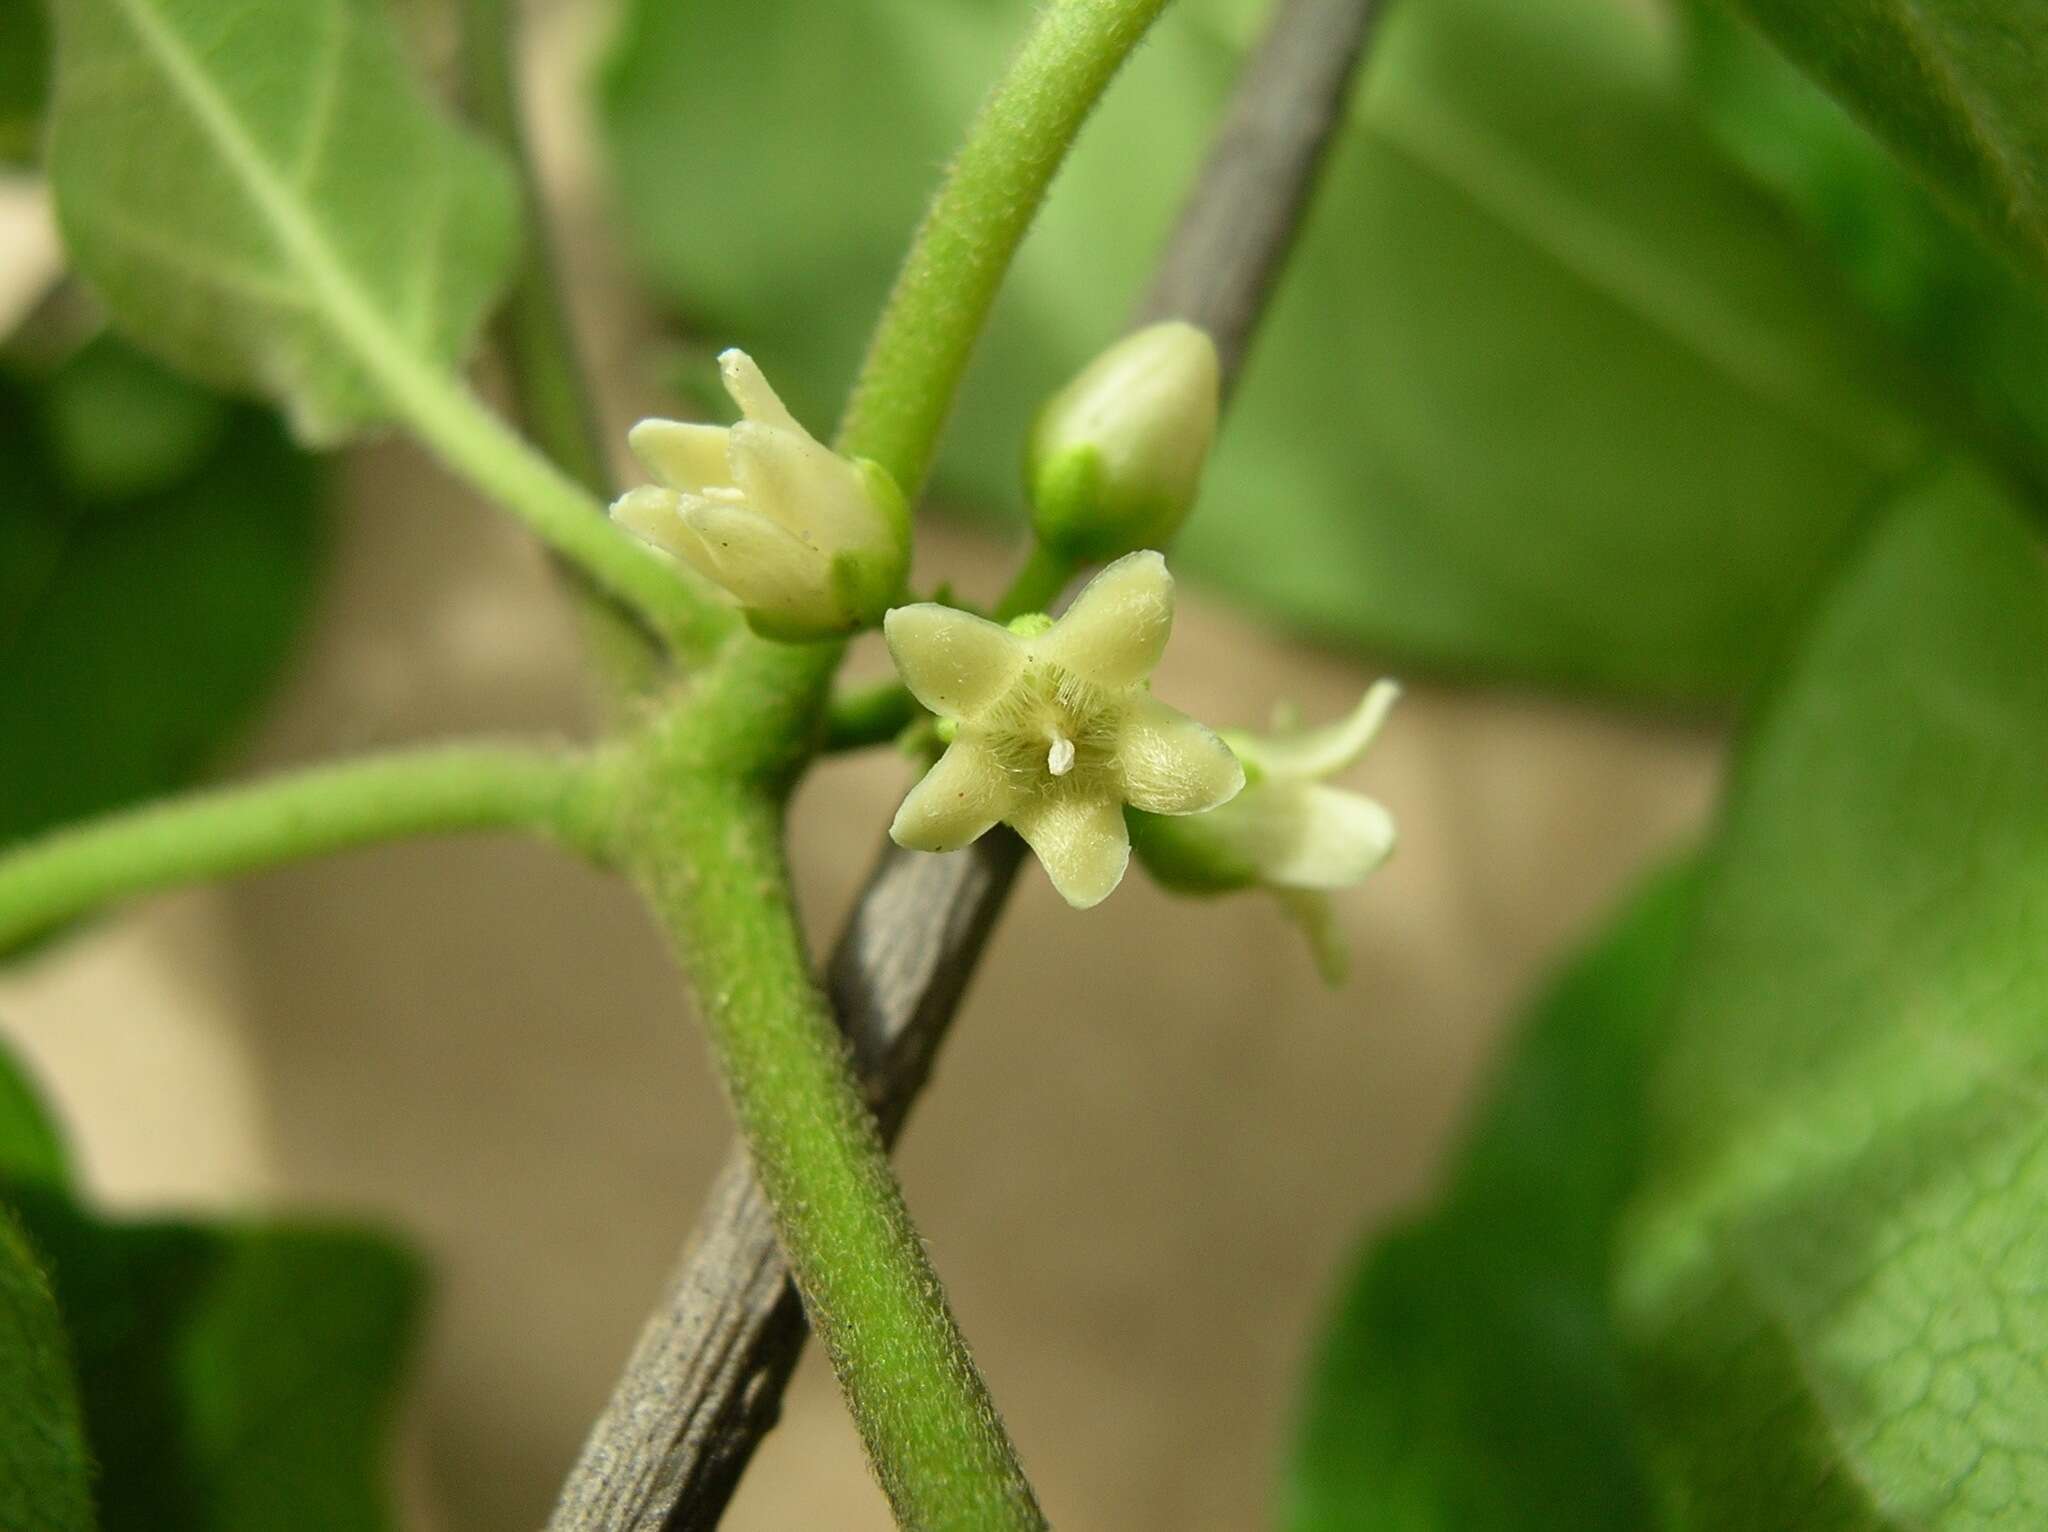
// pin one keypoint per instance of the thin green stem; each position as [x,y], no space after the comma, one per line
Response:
[993,192]
[548,381]
[225,831]
[869,715]
[506,469]
[1038,584]
[551,393]
[932,1433]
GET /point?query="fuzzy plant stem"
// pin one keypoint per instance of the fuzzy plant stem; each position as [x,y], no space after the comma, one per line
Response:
[992,193]
[708,841]
[225,831]
[930,1428]
[550,389]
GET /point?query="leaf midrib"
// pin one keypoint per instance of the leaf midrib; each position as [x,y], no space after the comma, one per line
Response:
[1925,45]
[335,294]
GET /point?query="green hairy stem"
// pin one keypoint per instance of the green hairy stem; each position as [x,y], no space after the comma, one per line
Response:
[989,199]
[226,831]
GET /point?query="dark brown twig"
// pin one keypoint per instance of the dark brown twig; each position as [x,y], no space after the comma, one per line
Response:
[705,1380]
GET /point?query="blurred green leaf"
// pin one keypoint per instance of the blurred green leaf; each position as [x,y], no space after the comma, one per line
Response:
[1472,1378]
[118,426]
[235,1377]
[44,1474]
[1552,391]
[1955,87]
[24,77]
[158,556]
[264,196]
[1961,308]
[31,1148]
[1834,1289]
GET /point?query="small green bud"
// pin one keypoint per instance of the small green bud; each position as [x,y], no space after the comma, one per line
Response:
[1115,457]
[810,544]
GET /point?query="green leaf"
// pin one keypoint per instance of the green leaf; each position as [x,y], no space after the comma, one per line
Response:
[235,1378]
[31,1147]
[1957,304]
[1552,391]
[1835,1285]
[24,77]
[118,426]
[1955,87]
[44,1475]
[264,196]
[1472,1377]
[158,556]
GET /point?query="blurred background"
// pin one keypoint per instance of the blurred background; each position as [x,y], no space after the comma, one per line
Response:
[1563,393]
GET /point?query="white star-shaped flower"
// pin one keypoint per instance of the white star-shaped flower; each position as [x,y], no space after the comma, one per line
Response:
[1055,728]
[1286,831]
[812,545]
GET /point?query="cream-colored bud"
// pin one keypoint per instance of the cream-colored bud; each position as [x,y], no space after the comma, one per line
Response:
[1115,457]
[810,544]
[1054,729]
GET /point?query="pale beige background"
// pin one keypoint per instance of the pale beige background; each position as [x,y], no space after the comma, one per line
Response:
[1151,1142]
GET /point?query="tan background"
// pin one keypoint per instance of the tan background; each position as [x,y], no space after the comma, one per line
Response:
[1153,1138]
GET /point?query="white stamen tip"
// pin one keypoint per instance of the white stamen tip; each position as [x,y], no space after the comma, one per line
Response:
[1060,759]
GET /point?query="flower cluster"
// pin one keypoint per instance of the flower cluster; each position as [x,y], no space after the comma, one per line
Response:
[1049,726]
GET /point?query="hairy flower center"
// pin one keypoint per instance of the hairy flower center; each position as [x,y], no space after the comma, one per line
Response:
[1054,733]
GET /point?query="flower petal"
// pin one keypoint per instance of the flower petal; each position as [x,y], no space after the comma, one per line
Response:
[1347,835]
[1114,631]
[1321,752]
[806,488]
[1301,834]
[749,389]
[1082,844]
[655,515]
[955,802]
[769,569]
[681,454]
[1173,765]
[953,662]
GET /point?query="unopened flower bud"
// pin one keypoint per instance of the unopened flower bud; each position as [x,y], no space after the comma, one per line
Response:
[1116,456]
[1286,832]
[812,545]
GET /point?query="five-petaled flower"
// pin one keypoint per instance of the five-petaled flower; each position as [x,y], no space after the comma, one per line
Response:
[811,544]
[1055,728]
[1286,831]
